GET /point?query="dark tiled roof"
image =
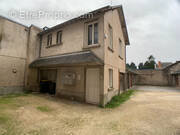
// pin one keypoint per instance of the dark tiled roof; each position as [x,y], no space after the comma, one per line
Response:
[77,58]
[172,64]
[176,72]
[165,64]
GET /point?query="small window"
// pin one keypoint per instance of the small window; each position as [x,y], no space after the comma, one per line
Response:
[120,49]
[110,78]
[59,37]
[49,40]
[110,37]
[93,33]
[89,34]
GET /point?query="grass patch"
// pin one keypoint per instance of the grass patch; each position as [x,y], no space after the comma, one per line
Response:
[119,99]
[10,98]
[44,108]
[4,119]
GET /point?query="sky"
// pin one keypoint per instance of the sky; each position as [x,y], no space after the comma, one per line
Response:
[153,25]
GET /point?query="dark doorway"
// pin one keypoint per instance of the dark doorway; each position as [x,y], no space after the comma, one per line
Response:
[176,80]
[48,81]
[121,82]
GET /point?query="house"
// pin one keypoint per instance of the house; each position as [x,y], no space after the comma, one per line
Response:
[168,75]
[82,59]
[162,65]
[173,72]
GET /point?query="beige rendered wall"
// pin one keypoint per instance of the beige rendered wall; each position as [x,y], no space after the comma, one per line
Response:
[111,58]
[74,39]
[13,47]
[77,90]
[31,80]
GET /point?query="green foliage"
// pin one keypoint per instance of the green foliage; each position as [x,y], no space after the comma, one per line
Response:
[131,66]
[151,58]
[44,108]
[149,64]
[8,99]
[119,99]
[127,66]
[3,119]
[141,65]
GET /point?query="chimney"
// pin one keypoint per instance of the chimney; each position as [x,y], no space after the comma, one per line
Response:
[159,65]
[45,28]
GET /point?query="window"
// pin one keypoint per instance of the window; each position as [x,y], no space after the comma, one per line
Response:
[120,49]
[59,37]
[110,37]
[89,34]
[110,78]
[93,33]
[49,40]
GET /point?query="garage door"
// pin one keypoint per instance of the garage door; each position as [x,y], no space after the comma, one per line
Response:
[92,85]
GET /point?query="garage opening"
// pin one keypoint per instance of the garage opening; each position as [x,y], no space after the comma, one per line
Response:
[48,81]
[121,82]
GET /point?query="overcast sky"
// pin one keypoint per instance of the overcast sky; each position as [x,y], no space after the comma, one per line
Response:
[153,25]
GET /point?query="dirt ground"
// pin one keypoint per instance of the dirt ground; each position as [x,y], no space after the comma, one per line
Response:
[146,113]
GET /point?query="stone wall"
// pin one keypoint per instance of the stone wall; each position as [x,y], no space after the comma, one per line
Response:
[13,46]
[151,77]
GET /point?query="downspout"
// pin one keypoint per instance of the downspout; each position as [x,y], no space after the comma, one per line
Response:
[40,46]
[27,56]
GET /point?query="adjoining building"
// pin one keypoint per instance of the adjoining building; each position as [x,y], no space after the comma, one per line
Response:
[167,75]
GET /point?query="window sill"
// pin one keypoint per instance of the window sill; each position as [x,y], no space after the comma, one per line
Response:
[54,45]
[120,57]
[91,46]
[110,49]
[110,89]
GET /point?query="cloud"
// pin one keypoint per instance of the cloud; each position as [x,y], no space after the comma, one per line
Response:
[153,26]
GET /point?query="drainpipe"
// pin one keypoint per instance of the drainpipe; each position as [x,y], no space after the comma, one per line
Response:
[40,45]
[27,55]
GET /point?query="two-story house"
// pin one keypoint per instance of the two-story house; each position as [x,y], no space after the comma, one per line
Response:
[83,58]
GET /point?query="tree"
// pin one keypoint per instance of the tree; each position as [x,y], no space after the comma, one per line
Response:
[141,65]
[150,63]
[133,65]
[151,58]
[127,66]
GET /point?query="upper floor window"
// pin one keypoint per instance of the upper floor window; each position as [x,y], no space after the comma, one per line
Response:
[49,40]
[120,49]
[93,33]
[110,37]
[59,37]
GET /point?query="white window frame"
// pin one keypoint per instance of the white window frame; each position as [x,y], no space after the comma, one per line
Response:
[49,41]
[58,37]
[92,23]
[110,29]
[110,78]
[120,49]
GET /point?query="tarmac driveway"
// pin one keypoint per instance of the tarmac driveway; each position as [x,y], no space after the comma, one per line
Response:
[146,113]
[156,88]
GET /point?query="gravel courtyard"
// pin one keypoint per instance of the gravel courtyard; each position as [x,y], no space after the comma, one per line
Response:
[146,113]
